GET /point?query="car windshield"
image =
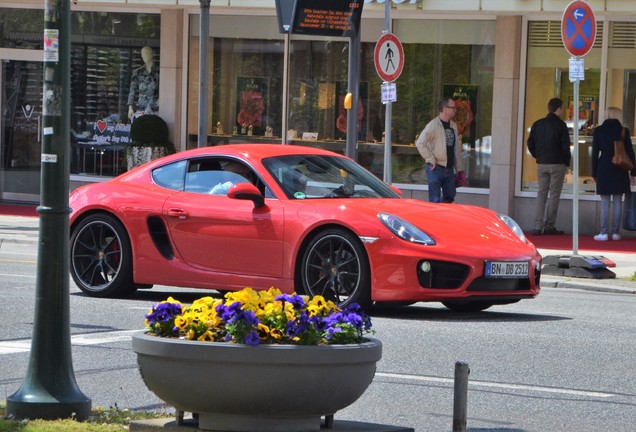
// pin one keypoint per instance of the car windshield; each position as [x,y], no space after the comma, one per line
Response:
[314,176]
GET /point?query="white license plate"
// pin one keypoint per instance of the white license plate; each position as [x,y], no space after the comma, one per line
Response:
[506,269]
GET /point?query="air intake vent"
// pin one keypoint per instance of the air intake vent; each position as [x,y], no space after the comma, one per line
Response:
[548,34]
[623,35]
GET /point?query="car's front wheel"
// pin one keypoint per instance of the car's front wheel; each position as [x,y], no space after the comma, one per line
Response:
[101,257]
[335,265]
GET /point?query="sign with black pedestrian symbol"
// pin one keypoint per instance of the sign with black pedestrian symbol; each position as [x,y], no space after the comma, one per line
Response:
[388,57]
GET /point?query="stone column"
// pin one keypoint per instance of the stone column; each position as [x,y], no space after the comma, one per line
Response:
[171,73]
[505,109]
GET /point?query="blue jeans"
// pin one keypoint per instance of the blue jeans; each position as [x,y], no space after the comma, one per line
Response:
[440,179]
[617,201]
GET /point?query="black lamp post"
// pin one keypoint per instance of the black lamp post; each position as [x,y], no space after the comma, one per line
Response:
[49,390]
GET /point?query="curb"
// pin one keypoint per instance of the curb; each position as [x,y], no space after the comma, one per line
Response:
[615,286]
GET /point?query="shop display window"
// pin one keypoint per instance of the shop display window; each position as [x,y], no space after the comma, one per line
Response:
[247,90]
[547,77]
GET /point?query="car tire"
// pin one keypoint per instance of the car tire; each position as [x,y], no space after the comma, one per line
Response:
[335,265]
[101,257]
[467,306]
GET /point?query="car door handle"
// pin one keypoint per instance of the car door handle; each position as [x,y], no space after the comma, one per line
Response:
[179,213]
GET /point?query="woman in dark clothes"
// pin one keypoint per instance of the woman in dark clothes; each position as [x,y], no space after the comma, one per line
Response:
[611,181]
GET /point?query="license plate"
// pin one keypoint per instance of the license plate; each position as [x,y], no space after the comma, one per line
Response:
[506,269]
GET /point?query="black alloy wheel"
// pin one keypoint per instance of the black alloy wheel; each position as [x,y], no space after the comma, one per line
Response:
[101,258]
[335,266]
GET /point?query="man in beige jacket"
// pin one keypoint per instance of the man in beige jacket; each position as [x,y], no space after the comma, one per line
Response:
[440,147]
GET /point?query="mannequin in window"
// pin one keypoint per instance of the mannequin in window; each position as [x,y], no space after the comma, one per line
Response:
[144,86]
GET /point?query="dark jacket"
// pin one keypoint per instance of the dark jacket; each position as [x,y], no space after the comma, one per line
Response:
[610,180]
[549,141]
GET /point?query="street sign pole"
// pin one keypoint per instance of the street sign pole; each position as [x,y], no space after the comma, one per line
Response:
[575,167]
[388,57]
[387,177]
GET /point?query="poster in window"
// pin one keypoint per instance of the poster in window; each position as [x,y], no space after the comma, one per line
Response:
[251,105]
[465,97]
[341,112]
[587,110]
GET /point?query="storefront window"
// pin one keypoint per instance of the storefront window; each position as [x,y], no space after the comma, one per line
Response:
[446,58]
[114,79]
[548,77]
[621,71]
[245,82]
[21,28]
[246,89]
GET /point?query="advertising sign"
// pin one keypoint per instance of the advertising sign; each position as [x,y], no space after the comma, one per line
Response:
[327,17]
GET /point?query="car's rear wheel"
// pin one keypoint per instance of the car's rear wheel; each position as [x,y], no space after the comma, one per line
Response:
[467,306]
[101,257]
[335,265]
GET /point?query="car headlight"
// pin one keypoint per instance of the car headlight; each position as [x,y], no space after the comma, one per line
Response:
[514,226]
[405,230]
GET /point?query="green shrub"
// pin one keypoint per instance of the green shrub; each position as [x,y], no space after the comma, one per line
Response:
[150,130]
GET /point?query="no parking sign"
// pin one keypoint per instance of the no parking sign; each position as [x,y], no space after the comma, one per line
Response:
[578,28]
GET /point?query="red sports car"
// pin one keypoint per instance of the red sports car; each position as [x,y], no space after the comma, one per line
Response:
[297,218]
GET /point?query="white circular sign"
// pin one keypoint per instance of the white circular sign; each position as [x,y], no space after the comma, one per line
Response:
[388,57]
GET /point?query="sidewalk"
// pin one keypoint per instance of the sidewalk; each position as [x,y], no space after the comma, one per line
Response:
[25,229]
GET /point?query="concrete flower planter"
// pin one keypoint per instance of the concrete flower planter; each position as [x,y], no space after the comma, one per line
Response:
[234,387]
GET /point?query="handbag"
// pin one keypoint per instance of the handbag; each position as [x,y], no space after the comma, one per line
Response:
[620,158]
[460,179]
[629,217]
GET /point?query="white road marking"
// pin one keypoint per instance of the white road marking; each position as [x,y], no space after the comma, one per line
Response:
[17,275]
[507,386]
[24,345]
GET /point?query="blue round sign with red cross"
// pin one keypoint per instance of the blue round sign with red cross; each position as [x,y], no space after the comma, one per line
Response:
[578,28]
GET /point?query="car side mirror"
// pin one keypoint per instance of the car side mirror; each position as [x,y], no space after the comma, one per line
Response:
[246,191]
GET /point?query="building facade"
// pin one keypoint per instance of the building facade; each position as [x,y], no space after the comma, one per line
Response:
[501,60]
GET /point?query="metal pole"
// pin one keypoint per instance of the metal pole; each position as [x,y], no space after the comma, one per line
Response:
[354,79]
[575,175]
[49,390]
[204,34]
[460,397]
[387,109]
[285,107]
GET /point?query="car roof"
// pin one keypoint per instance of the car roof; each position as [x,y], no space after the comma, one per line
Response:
[255,151]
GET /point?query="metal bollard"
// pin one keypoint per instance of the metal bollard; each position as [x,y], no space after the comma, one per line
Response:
[460,396]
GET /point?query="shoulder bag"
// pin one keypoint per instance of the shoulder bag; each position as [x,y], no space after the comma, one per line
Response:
[620,158]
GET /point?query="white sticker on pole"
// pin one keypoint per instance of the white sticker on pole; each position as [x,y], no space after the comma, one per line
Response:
[577,69]
[49,158]
[51,45]
[389,92]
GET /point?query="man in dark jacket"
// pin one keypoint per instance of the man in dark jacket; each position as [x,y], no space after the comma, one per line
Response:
[549,144]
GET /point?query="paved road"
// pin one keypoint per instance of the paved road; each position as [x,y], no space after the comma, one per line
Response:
[562,362]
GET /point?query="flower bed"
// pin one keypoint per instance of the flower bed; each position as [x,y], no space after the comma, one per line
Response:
[255,317]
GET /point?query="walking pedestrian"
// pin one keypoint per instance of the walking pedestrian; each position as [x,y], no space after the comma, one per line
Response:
[611,181]
[549,144]
[439,145]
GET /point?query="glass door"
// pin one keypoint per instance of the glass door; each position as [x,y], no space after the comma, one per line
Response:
[20,125]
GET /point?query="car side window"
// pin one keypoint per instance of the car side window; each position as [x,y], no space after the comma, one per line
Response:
[202,175]
[170,176]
